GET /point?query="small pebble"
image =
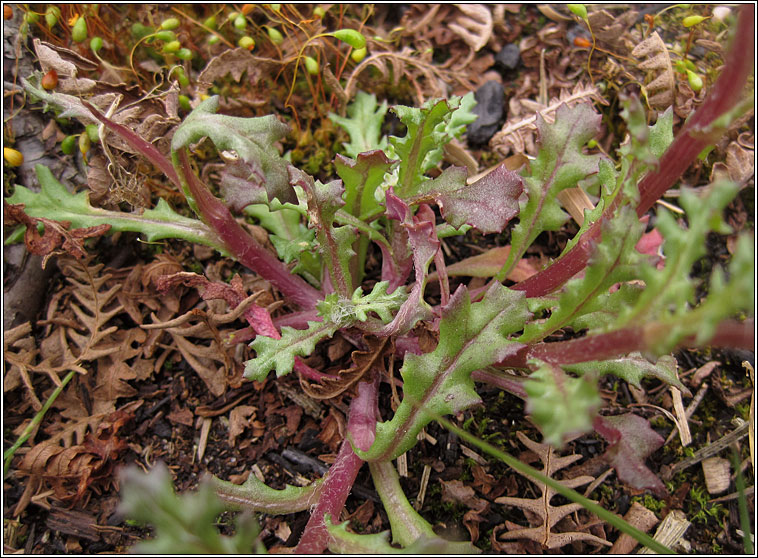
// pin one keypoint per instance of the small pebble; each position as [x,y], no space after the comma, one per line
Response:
[509,57]
[490,107]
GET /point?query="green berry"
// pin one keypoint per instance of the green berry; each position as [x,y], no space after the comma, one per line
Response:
[358,54]
[92,132]
[31,17]
[695,81]
[311,66]
[351,37]
[181,76]
[318,12]
[692,20]
[275,35]
[172,46]
[68,145]
[84,143]
[240,22]
[210,22]
[246,42]
[79,31]
[213,39]
[165,36]
[170,23]
[579,10]
[184,102]
[96,44]
[52,15]
[184,54]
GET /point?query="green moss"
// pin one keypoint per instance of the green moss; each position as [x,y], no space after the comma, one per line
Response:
[650,502]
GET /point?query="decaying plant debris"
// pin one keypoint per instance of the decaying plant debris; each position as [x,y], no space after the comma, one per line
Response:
[158,348]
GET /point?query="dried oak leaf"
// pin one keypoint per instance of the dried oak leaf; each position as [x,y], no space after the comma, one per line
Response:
[739,165]
[541,508]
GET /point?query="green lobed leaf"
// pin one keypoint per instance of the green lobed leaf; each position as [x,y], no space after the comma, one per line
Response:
[364,124]
[361,178]
[559,404]
[638,155]
[725,299]
[255,496]
[632,368]
[252,140]
[614,260]
[560,164]
[343,541]
[472,336]
[279,354]
[345,312]
[429,128]
[670,292]
[334,243]
[183,525]
[54,201]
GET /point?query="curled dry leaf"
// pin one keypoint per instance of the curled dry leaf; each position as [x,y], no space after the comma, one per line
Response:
[234,62]
[456,491]
[56,238]
[73,470]
[473,25]
[611,30]
[364,360]
[739,165]
[655,60]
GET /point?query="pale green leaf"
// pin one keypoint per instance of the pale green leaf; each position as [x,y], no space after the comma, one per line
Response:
[472,336]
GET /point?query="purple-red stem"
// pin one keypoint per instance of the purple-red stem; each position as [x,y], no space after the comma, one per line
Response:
[341,476]
[722,97]
[217,216]
[243,246]
[624,341]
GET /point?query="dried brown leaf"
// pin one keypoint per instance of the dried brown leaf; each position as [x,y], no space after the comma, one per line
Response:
[655,60]
[473,25]
[519,133]
[363,360]
[239,419]
[234,62]
[545,514]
